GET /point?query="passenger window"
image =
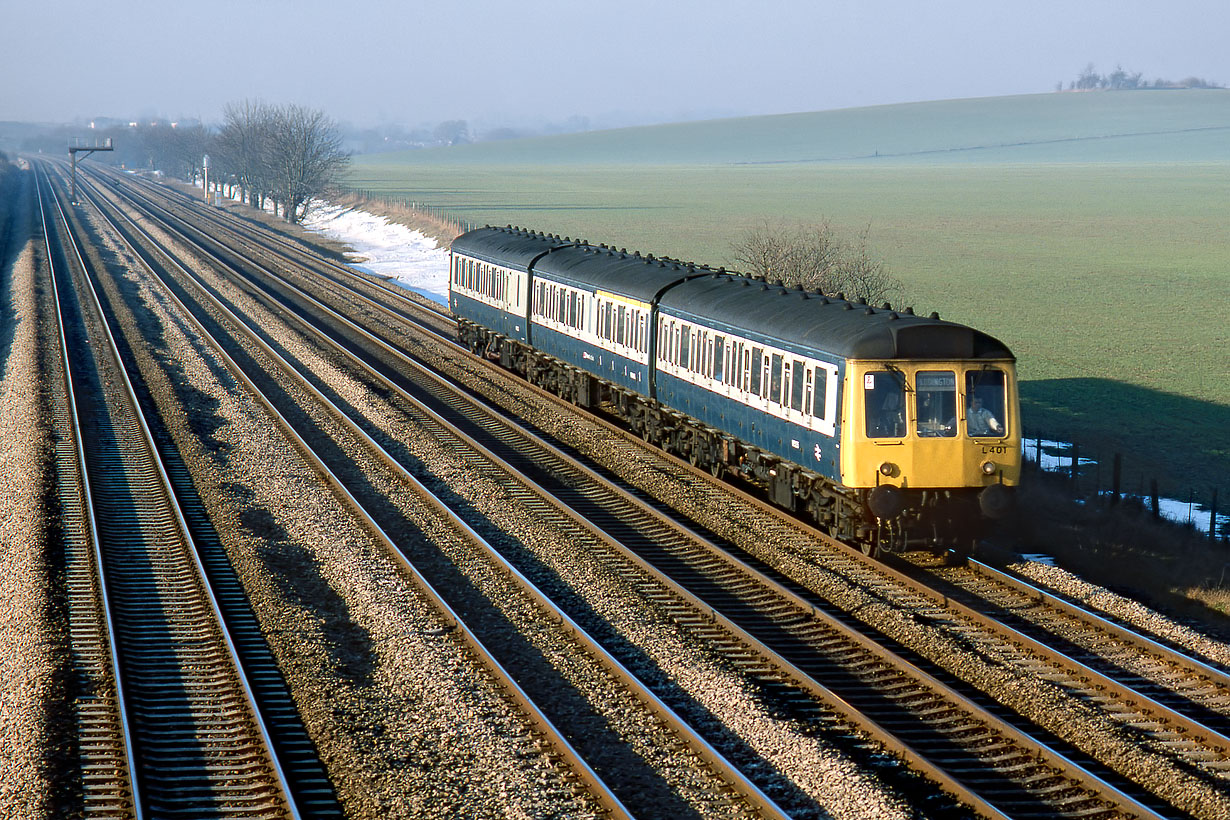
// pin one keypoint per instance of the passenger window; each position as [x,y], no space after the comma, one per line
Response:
[719,357]
[775,386]
[986,398]
[884,404]
[935,408]
[820,393]
[796,385]
[756,365]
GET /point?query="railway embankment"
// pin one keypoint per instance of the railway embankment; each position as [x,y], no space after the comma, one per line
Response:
[1122,546]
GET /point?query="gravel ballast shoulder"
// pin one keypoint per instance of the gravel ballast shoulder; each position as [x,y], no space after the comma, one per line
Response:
[33,737]
[1149,621]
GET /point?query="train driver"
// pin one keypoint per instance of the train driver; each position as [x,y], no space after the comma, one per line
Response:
[979,421]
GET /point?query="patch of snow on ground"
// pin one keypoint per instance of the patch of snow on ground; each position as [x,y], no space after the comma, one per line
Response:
[389,250]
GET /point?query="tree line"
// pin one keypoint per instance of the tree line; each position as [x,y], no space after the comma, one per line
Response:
[1119,80]
[285,154]
[279,155]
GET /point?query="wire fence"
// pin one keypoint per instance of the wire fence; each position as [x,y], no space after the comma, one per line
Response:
[1106,477]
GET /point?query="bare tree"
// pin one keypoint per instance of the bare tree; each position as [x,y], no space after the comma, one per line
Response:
[861,276]
[289,154]
[305,158]
[242,148]
[190,144]
[1088,79]
[803,254]
[812,256]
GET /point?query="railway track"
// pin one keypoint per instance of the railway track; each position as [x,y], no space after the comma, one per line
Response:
[197,734]
[690,566]
[397,303]
[106,755]
[1145,667]
[737,788]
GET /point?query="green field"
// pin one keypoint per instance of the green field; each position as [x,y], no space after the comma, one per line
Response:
[1087,231]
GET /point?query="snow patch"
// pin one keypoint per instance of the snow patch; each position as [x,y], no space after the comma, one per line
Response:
[389,250]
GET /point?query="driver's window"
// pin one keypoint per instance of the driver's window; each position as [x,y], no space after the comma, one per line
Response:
[986,398]
[884,404]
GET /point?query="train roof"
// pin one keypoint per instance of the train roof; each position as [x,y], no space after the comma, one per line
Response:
[637,277]
[792,317]
[810,321]
[510,247]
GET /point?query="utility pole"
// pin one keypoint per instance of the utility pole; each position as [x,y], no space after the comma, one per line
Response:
[77,147]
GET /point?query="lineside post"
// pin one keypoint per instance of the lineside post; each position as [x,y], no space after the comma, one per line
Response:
[88,149]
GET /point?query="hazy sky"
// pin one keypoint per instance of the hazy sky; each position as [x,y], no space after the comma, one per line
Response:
[526,62]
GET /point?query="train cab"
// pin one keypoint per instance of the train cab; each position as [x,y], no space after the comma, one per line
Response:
[925,433]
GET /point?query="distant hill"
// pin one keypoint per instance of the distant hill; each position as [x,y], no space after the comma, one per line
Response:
[1097,126]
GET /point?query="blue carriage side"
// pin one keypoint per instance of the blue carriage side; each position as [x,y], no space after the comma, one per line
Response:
[729,355]
[490,275]
[593,308]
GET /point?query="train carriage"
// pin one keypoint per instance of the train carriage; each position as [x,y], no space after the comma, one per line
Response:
[890,430]
[732,354]
[489,279]
[594,308]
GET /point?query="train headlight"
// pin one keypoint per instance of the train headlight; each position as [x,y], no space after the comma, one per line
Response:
[988,468]
[888,469]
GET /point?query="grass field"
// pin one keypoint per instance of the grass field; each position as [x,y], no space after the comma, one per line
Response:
[1087,231]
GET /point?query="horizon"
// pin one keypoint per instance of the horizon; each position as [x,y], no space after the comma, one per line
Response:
[92,123]
[636,64]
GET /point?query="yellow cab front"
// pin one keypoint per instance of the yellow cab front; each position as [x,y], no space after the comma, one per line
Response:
[931,425]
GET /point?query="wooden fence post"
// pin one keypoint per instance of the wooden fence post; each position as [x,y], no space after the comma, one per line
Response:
[1157,510]
[1116,473]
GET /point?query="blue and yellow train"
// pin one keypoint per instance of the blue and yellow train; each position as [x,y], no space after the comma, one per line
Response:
[890,430]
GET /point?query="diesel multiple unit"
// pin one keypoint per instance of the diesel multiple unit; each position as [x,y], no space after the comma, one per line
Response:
[890,430]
